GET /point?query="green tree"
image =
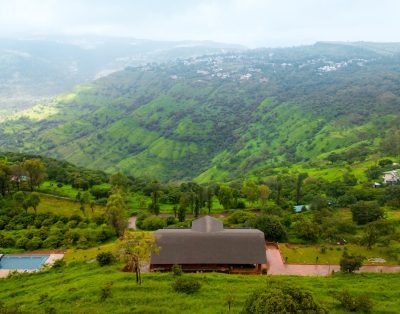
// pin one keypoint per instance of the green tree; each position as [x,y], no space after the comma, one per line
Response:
[250,189]
[307,230]
[299,183]
[135,249]
[349,263]
[115,213]
[209,198]
[119,181]
[35,170]
[271,226]
[373,173]
[19,198]
[264,194]
[225,196]
[349,179]
[4,177]
[33,201]
[155,189]
[365,212]
[184,202]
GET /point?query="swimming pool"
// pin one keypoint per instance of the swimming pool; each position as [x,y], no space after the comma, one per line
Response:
[22,261]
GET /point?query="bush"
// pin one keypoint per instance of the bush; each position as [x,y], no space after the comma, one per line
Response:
[171,220]
[351,303]
[105,291]
[153,223]
[239,217]
[186,285]
[105,258]
[60,263]
[350,263]
[176,270]
[278,299]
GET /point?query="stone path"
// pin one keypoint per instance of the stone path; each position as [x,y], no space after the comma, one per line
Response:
[276,266]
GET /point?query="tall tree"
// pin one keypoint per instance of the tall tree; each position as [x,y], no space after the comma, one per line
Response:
[115,213]
[35,170]
[155,189]
[225,196]
[33,201]
[299,184]
[250,189]
[119,180]
[4,176]
[184,202]
[209,198]
[264,194]
[135,249]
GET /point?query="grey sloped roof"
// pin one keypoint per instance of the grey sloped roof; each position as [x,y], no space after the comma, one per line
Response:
[208,243]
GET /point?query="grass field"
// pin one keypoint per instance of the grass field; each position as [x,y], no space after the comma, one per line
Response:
[80,255]
[79,287]
[64,207]
[308,253]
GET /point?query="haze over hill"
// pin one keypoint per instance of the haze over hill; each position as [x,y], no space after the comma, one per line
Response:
[41,67]
[223,116]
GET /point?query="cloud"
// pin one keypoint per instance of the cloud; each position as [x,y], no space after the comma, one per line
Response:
[250,22]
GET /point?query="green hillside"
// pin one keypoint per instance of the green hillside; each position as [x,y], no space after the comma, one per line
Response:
[80,286]
[220,117]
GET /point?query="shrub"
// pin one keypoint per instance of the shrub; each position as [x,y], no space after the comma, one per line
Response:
[60,263]
[186,285]
[153,223]
[278,299]
[105,291]
[105,258]
[351,303]
[176,270]
[171,220]
[350,263]
[239,217]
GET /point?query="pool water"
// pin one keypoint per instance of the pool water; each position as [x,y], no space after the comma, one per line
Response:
[22,261]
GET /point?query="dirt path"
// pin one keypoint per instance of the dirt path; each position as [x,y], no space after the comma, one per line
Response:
[276,266]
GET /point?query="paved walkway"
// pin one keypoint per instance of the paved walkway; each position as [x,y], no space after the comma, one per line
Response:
[276,266]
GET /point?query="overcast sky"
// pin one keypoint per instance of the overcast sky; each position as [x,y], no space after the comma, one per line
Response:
[249,22]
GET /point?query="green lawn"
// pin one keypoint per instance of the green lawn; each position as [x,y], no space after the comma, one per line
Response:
[308,253]
[77,288]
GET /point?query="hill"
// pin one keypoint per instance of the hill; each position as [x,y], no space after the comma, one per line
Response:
[220,117]
[35,68]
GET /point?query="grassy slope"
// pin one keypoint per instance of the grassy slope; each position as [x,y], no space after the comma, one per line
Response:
[144,123]
[78,291]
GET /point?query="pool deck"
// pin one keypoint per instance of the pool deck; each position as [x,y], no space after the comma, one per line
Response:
[49,262]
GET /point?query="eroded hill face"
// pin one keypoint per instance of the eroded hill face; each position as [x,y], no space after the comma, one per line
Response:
[222,116]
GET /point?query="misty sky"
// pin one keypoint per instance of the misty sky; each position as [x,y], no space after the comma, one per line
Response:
[249,22]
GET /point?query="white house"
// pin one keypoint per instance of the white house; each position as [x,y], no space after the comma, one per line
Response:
[391,177]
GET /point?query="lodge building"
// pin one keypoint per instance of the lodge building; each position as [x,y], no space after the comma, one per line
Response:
[207,246]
